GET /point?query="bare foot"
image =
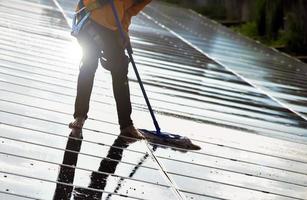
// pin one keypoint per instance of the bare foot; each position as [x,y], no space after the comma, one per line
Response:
[131,131]
[78,123]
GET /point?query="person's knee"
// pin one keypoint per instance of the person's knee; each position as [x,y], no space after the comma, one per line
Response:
[89,62]
[89,66]
[119,67]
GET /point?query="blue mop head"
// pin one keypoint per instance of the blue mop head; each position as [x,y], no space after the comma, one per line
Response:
[168,139]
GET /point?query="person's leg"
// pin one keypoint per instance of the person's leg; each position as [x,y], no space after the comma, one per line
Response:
[85,84]
[122,96]
[86,76]
[117,62]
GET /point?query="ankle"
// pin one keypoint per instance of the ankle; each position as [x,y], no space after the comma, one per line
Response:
[80,119]
[77,123]
[122,127]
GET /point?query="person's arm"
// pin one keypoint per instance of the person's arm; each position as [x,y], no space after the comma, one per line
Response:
[137,7]
[133,10]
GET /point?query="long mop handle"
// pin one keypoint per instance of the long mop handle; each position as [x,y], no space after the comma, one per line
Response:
[129,50]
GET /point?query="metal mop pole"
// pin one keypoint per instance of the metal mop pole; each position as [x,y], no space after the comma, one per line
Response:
[129,50]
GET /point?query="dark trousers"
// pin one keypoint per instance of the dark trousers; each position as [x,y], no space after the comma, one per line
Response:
[94,40]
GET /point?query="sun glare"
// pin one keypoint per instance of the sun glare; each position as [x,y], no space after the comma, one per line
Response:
[74,51]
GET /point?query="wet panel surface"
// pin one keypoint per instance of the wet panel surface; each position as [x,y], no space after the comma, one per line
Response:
[252,146]
[276,74]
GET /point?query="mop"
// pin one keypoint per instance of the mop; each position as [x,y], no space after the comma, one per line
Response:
[153,136]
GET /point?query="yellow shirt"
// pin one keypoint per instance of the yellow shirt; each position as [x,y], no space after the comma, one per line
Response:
[126,9]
